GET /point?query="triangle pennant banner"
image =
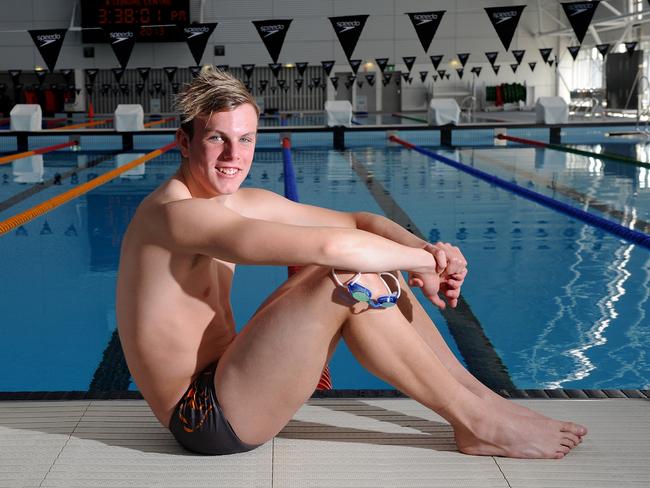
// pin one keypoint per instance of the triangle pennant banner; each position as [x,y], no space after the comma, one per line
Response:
[532,65]
[435,77]
[48,42]
[196,37]
[360,83]
[442,73]
[514,67]
[89,88]
[386,78]
[170,71]
[603,48]
[222,67]
[435,60]
[629,46]
[545,52]
[477,70]
[91,73]
[335,82]
[327,67]
[354,64]
[15,76]
[518,54]
[505,20]
[122,40]
[405,76]
[462,57]
[370,77]
[282,83]
[550,63]
[348,29]
[301,67]
[492,56]
[144,73]
[574,51]
[460,72]
[426,24]
[118,73]
[139,88]
[68,76]
[423,75]
[40,75]
[408,61]
[315,82]
[272,33]
[381,62]
[496,68]
[580,15]
[275,69]
[298,82]
[195,70]
[248,70]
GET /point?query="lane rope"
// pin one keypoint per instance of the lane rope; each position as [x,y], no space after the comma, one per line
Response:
[158,122]
[33,152]
[44,207]
[85,124]
[607,225]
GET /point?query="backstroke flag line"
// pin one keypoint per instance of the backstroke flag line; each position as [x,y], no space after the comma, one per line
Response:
[273,33]
[49,42]
[196,37]
[348,29]
[426,24]
[505,21]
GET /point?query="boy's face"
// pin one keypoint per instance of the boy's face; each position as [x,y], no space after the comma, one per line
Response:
[221,150]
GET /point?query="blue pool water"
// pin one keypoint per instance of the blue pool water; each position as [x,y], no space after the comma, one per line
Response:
[563,304]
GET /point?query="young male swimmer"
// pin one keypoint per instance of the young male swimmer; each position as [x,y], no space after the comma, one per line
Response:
[220,392]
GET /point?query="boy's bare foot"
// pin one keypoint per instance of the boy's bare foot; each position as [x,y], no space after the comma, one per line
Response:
[503,433]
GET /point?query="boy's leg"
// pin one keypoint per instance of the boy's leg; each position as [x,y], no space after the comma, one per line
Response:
[273,366]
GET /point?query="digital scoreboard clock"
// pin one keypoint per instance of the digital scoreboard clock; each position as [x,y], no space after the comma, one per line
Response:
[160,14]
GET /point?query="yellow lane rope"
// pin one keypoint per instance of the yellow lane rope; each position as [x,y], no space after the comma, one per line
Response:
[85,124]
[30,214]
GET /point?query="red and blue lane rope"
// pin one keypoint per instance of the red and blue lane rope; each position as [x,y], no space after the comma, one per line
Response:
[291,192]
[607,225]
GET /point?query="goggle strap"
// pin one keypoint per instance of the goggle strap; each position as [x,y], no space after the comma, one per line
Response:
[356,277]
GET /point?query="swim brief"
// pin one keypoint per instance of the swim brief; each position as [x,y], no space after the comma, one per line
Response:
[198,423]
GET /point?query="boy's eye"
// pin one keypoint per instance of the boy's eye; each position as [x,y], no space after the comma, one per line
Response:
[216,138]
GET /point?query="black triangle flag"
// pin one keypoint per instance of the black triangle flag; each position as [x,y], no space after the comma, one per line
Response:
[603,48]
[68,76]
[462,57]
[40,74]
[545,52]
[272,32]
[477,70]
[139,88]
[248,70]
[532,65]
[352,77]
[518,54]
[124,88]
[550,62]
[381,62]
[354,64]
[442,73]
[386,78]
[447,76]
[195,70]
[91,73]
[348,30]
[49,42]
[460,72]
[505,20]
[580,15]
[89,88]
[157,87]
[282,83]
[426,24]
[405,76]
[315,82]
[170,71]
[118,73]
[370,77]
[263,84]
[327,66]
[144,74]
[574,51]
[196,36]
[423,75]
[496,68]
[408,61]
[435,77]
[298,82]
[435,60]
[15,76]
[273,89]
[492,56]
[514,67]
[275,69]
[122,40]
[629,46]
[335,82]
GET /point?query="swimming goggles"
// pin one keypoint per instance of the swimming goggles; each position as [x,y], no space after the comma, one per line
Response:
[362,294]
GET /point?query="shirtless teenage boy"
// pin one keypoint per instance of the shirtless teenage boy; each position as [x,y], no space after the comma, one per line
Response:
[221,392]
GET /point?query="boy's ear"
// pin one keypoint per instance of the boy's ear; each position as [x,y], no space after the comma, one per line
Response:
[183,142]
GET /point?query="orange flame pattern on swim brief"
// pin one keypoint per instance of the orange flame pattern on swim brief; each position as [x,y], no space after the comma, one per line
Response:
[195,404]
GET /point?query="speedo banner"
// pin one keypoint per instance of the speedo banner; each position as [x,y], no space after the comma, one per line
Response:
[386,77]
[272,33]
[462,57]
[68,76]
[603,49]
[298,82]
[144,73]
[15,76]
[327,67]
[91,73]
[518,54]
[460,72]
[477,70]
[426,24]
[122,40]
[492,56]
[381,62]
[49,42]
[354,64]
[335,82]
[514,67]
[409,61]
[545,52]
[505,21]
[40,75]
[532,65]
[196,37]
[435,60]
[496,68]
[442,73]
[574,51]
[195,70]
[348,29]
[170,71]
[275,69]
[580,15]
[629,47]
[370,77]
[248,70]
[423,75]
[118,73]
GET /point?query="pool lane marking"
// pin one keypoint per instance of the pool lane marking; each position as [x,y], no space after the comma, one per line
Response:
[582,198]
[479,354]
[157,122]
[41,150]
[564,148]
[52,203]
[614,228]
[39,187]
[85,124]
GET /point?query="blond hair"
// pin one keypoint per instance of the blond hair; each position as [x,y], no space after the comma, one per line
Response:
[211,91]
